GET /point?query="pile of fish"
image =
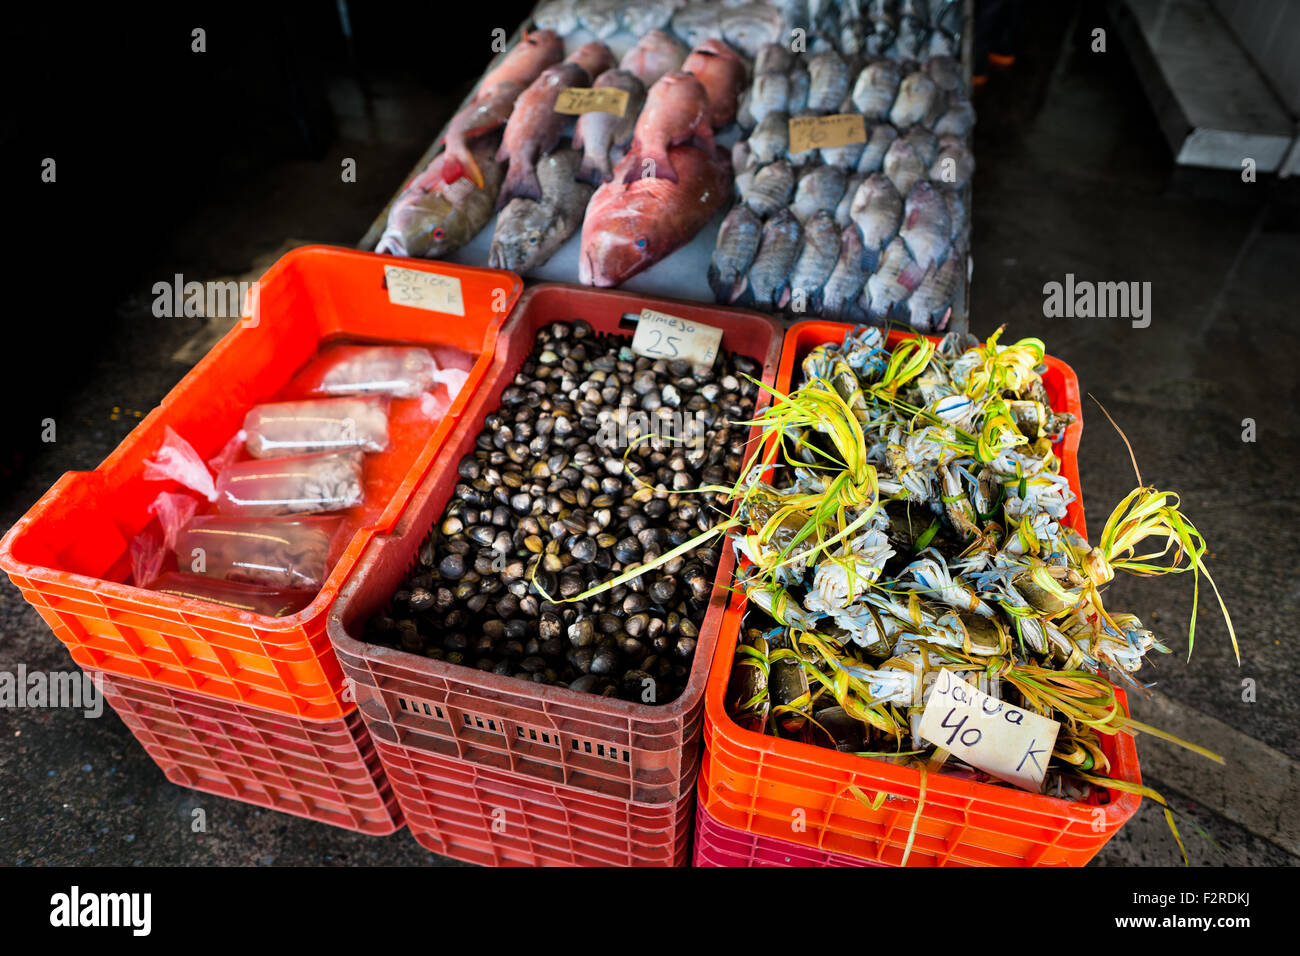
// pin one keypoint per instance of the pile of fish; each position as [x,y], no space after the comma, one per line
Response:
[870,231]
[639,184]
[899,29]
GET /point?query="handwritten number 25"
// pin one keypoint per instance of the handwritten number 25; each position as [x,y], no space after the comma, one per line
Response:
[655,346]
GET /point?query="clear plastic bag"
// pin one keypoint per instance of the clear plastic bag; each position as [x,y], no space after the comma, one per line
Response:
[306,484]
[176,460]
[272,602]
[402,371]
[285,553]
[281,429]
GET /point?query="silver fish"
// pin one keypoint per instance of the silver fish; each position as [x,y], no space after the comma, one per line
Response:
[823,15]
[432,217]
[736,247]
[918,10]
[877,209]
[641,17]
[770,140]
[829,80]
[946,73]
[528,232]
[769,94]
[903,166]
[751,26]
[940,43]
[558,15]
[845,157]
[814,263]
[769,275]
[741,156]
[844,286]
[879,139]
[916,98]
[896,276]
[908,41]
[958,119]
[924,142]
[697,22]
[771,188]
[954,165]
[599,17]
[799,86]
[843,212]
[773,58]
[948,15]
[819,189]
[928,305]
[957,213]
[744,180]
[808,156]
[876,88]
[597,134]
[927,227]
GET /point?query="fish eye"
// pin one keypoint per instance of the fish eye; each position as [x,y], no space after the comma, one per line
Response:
[532,238]
[641,242]
[438,233]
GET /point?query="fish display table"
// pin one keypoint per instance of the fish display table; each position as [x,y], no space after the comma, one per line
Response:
[684,273]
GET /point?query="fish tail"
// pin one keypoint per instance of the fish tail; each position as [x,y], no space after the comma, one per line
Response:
[594,168]
[739,288]
[521,181]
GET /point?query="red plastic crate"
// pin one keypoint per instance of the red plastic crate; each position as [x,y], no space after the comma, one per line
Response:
[69,554]
[756,783]
[327,771]
[633,751]
[497,818]
[717,844]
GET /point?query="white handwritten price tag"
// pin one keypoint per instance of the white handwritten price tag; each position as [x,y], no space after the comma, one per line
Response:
[999,738]
[424,290]
[663,336]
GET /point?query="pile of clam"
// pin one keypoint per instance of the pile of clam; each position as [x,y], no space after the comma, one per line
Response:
[584,472]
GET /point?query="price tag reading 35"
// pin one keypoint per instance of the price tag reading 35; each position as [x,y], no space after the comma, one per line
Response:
[663,336]
[424,290]
[1003,740]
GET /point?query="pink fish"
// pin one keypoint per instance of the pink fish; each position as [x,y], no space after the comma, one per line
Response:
[593,57]
[534,130]
[655,54]
[676,111]
[632,223]
[523,64]
[723,73]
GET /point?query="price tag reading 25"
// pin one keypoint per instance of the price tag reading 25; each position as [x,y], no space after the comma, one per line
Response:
[663,336]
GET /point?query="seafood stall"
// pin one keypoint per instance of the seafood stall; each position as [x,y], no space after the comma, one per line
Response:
[562,165]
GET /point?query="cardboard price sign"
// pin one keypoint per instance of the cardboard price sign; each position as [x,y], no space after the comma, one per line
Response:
[999,738]
[662,336]
[816,132]
[424,290]
[577,100]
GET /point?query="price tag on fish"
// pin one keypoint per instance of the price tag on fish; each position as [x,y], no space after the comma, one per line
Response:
[999,738]
[424,290]
[663,336]
[577,100]
[826,132]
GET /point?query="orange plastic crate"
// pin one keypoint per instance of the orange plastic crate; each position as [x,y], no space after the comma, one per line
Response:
[497,818]
[717,844]
[762,784]
[69,554]
[327,771]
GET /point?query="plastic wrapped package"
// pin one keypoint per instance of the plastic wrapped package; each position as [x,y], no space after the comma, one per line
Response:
[304,484]
[272,602]
[401,371]
[281,429]
[286,553]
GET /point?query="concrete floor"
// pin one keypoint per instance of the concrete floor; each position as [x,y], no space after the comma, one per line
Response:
[1073,177]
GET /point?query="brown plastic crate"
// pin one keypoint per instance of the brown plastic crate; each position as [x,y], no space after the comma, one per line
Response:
[634,751]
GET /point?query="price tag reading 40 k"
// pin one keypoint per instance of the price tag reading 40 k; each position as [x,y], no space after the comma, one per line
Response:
[1003,740]
[424,290]
[663,336]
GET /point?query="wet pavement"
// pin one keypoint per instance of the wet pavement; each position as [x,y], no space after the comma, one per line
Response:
[1073,178]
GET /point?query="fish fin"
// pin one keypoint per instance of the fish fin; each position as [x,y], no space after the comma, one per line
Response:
[870,259]
[911,277]
[783,299]
[521,181]
[462,164]
[737,290]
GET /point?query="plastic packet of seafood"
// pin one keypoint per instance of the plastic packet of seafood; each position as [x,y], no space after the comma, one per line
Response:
[401,371]
[281,429]
[173,509]
[271,602]
[305,484]
[147,556]
[285,553]
[176,460]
